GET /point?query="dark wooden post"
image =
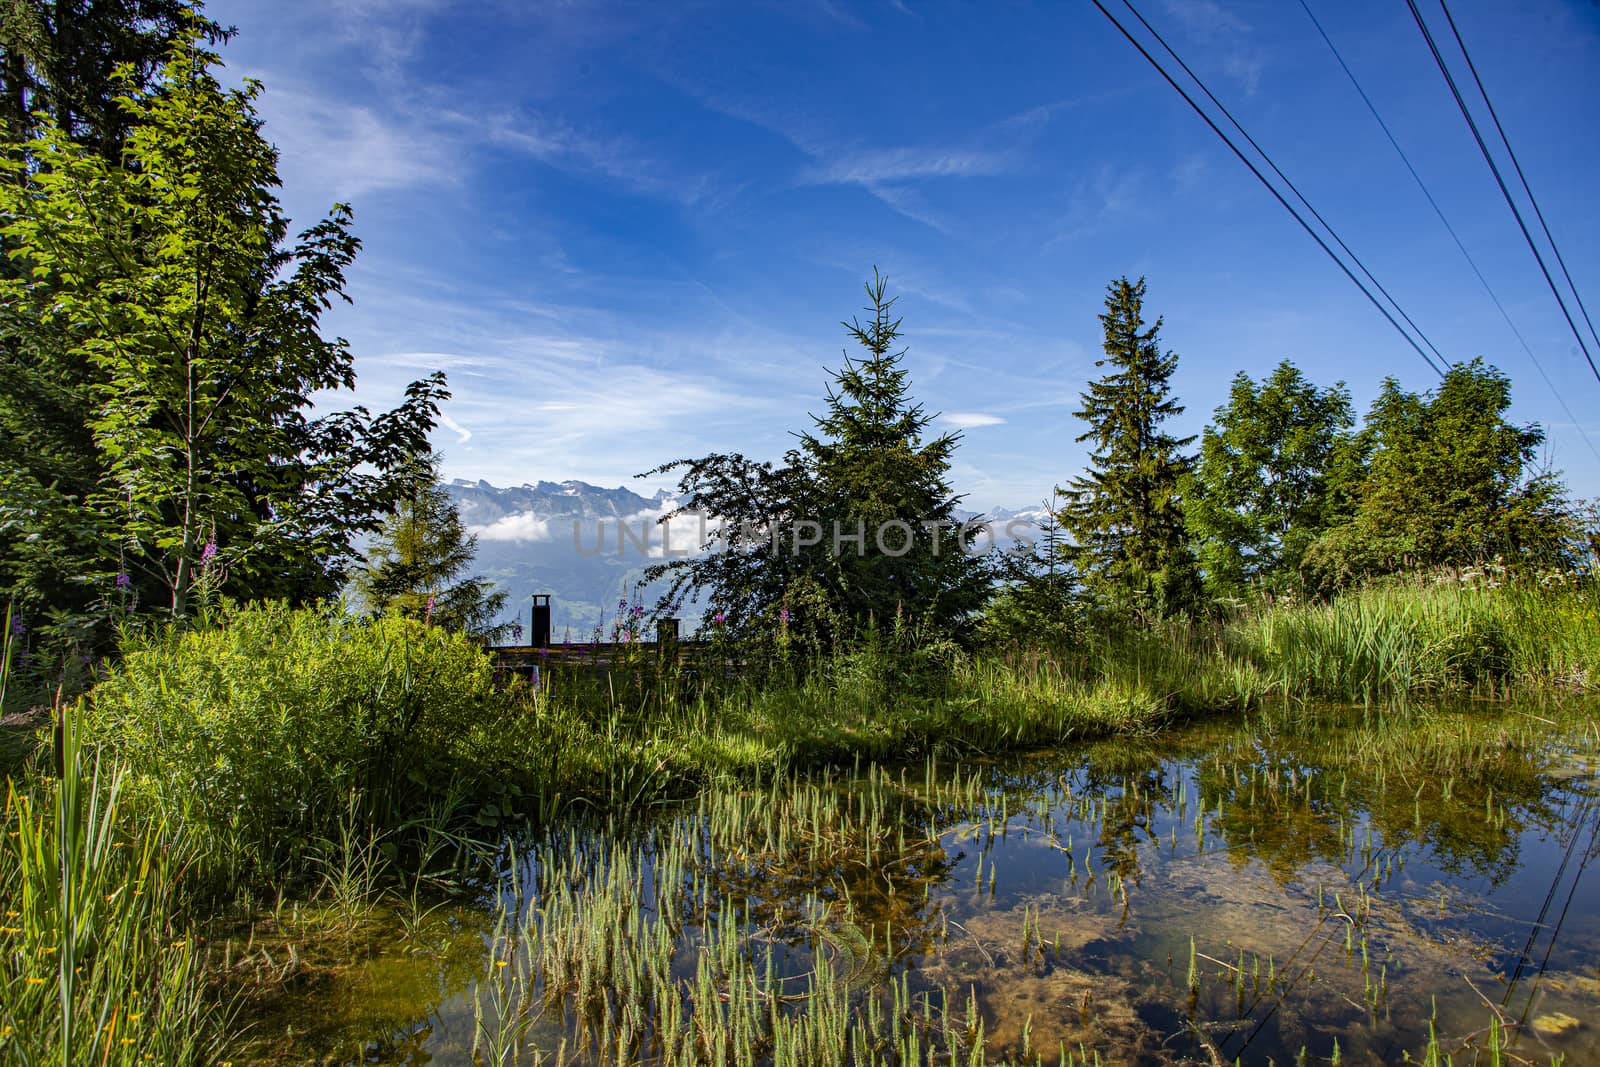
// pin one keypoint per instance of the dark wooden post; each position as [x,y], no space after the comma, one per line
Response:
[539,621]
[667,639]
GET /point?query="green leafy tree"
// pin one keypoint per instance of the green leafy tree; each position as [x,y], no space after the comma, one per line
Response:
[858,523]
[417,564]
[1260,492]
[187,328]
[1124,516]
[1448,481]
[63,63]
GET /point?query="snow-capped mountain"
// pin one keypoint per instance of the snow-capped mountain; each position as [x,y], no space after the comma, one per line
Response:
[587,546]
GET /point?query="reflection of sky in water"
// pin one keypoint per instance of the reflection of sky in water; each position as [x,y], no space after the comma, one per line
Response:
[1459,851]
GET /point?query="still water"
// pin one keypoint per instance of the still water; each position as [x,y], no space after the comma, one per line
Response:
[1337,885]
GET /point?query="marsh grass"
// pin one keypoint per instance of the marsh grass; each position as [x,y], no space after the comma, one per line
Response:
[95,968]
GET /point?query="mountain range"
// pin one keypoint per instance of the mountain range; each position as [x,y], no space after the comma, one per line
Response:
[588,546]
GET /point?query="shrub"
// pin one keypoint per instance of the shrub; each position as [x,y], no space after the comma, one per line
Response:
[265,729]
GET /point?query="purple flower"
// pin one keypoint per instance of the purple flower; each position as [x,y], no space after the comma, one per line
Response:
[783,615]
[208,553]
[516,635]
[123,581]
[18,627]
[622,605]
[638,611]
[720,617]
[433,602]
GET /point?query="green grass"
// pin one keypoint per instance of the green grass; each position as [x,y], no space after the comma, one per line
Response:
[96,965]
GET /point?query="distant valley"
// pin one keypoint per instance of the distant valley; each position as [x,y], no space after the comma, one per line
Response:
[584,545]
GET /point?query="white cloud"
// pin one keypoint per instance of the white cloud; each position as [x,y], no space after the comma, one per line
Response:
[455,427]
[904,164]
[565,147]
[1212,24]
[343,151]
[969,420]
[523,526]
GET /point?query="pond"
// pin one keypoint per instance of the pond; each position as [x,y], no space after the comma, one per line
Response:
[1327,885]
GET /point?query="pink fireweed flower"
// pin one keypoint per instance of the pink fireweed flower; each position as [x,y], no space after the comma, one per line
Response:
[208,553]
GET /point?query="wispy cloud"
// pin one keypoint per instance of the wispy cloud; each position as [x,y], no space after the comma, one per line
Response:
[336,150]
[906,164]
[455,427]
[561,145]
[969,420]
[1214,25]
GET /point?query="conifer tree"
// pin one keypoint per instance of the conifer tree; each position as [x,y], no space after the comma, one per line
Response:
[857,523]
[415,567]
[1124,515]
[877,475]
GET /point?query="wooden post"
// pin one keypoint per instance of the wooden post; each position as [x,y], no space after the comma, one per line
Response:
[667,639]
[539,621]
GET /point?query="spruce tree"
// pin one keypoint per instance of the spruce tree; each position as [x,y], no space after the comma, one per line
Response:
[1124,515]
[803,535]
[877,475]
[415,567]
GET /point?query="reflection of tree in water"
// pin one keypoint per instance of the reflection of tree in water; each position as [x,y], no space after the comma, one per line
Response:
[1466,791]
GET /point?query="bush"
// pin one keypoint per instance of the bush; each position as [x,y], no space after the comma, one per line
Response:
[266,731]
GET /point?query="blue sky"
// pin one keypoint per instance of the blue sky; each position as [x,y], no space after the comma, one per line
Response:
[629,232]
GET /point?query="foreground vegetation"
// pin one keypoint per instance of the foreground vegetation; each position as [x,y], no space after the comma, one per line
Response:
[277,754]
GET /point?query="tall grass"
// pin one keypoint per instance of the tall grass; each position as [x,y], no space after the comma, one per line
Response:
[93,967]
[1411,637]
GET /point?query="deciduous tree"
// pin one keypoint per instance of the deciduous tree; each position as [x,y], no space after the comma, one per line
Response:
[187,327]
[1450,481]
[1260,491]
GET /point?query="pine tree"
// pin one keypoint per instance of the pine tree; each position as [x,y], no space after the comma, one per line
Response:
[1125,516]
[415,565]
[876,474]
[805,534]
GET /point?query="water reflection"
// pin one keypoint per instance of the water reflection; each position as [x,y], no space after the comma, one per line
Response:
[1260,891]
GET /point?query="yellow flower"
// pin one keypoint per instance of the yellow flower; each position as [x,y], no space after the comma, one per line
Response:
[133,1015]
[501,963]
[35,981]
